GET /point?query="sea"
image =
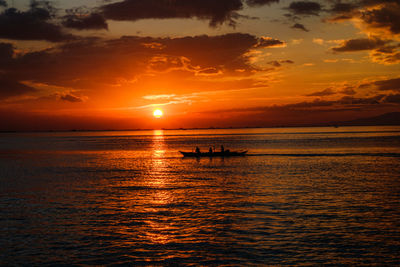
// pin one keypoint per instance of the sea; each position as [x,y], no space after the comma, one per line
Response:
[302,196]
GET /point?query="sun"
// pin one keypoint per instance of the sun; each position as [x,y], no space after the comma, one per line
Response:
[158,113]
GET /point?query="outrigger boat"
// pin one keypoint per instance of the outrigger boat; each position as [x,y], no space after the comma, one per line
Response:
[225,153]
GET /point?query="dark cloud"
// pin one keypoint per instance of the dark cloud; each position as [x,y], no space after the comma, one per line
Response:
[85,22]
[343,7]
[71,98]
[386,56]
[300,27]
[348,91]
[388,49]
[275,63]
[6,53]
[265,42]
[340,18]
[388,85]
[33,24]
[305,8]
[368,3]
[388,16]
[81,63]
[260,2]
[10,88]
[392,59]
[392,99]
[326,92]
[322,111]
[378,14]
[350,100]
[382,51]
[360,45]
[217,12]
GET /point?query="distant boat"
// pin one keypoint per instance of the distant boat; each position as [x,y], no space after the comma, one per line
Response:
[226,153]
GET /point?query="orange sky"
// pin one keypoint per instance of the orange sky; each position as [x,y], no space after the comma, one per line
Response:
[228,63]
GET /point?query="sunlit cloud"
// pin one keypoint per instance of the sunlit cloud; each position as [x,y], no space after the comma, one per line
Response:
[297,41]
[156,97]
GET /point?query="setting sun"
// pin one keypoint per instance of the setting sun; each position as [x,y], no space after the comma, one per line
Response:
[157,113]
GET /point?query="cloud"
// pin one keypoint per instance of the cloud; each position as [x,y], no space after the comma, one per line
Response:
[375,17]
[383,85]
[217,12]
[326,92]
[386,58]
[85,22]
[349,90]
[309,112]
[33,24]
[6,53]
[392,99]
[265,42]
[297,41]
[318,41]
[305,8]
[71,98]
[347,102]
[350,100]
[95,62]
[260,2]
[287,61]
[156,97]
[388,85]
[300,27]
[369,3]
[343,7]
[209,72]
[277,63]
[385,16]
[11,88]
[382,51]
[361,44]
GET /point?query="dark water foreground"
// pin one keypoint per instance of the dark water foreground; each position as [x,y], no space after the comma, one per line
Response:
[303,196]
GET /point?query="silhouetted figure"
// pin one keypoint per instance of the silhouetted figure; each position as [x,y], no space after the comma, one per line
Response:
[222,149]
[210,150]
[197,150]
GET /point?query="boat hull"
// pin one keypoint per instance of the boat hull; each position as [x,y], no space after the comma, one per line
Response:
[214,154]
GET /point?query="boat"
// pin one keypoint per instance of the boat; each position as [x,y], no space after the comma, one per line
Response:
[226,153]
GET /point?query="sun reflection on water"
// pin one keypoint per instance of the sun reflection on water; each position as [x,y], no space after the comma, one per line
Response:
[160,198]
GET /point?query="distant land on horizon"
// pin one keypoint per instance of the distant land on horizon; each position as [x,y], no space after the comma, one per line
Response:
[386,119]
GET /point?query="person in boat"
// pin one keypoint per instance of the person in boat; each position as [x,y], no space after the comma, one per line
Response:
[210,150]
[222,149]
[197,150]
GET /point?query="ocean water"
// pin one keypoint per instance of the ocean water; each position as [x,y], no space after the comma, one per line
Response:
[303,196]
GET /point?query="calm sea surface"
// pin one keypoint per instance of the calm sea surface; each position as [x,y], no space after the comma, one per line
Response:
[302,196]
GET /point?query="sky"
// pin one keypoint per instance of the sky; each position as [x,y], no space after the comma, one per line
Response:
[108,64]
